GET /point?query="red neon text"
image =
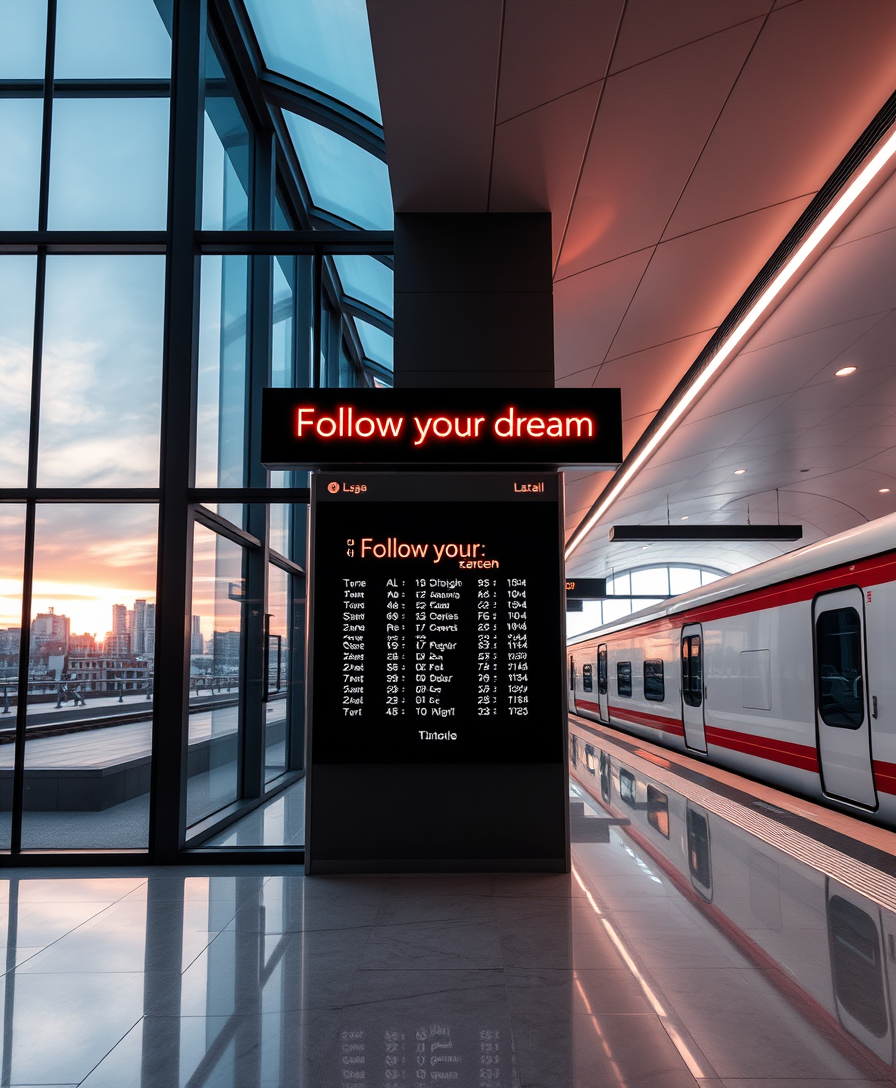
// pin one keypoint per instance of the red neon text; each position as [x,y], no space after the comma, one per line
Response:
[345,424]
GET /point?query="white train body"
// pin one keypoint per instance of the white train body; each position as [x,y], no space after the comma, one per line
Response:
[786,672]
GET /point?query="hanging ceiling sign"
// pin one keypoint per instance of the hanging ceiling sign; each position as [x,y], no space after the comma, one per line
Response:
[317,428]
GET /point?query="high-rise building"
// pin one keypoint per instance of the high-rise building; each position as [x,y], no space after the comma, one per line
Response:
[118,640]
[197,645]
[149,629]
[50,627]
[138,627]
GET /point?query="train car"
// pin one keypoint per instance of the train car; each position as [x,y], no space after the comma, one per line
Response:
[785,672]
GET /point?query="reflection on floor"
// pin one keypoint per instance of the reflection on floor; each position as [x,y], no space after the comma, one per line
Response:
[278,822]
[682,950]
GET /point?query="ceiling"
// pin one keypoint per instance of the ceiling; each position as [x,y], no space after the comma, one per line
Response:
[675,143]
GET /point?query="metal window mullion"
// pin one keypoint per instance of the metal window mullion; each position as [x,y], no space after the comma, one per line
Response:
[18,774]
[168,786]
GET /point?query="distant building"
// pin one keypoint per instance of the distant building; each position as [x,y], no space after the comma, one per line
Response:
[149,630]
[226,651]
[82,644]
[197,645]
[49,630]
[118,641]
[104,672]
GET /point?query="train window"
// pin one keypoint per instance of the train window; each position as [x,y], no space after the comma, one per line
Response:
[624,678]
[589,758]
[856,964]
[627,786]
[572,673]
[698,851]
[574,749]
[658,810]
[692,670]
[654,685]
[587,678]
[602,670]
[838,656]
[605,776]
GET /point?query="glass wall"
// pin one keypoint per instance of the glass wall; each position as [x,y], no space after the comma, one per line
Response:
[152,601]
[639,588]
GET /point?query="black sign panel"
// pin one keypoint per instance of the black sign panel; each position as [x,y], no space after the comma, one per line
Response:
[437,619]
[441,427]
[586,589]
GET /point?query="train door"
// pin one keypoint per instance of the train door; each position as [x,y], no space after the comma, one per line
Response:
[841,711]
[856,939]
[602,682]
[692,689]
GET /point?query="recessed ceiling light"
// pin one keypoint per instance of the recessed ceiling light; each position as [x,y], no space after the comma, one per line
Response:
[844,370]
[739,471]
[684,517]
[883,490]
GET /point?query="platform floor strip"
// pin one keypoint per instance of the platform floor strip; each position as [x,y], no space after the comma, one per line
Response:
[864,879]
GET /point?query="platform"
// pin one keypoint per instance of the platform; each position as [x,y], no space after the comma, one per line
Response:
[712,932]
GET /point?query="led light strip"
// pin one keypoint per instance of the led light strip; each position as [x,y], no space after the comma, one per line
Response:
[843,203]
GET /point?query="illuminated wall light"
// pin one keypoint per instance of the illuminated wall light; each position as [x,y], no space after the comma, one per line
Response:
[684,517]
[883,491]
[740,471]
[844,370]
[808,246]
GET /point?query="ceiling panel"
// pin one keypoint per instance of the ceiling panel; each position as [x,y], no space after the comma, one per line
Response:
[821,69]
[437,70]
[651,27]
[544,58]
[651,125]
[582,332]
[657,372]
[538,156]
[692,283]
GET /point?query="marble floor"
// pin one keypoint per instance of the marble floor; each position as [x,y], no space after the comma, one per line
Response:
[681,950]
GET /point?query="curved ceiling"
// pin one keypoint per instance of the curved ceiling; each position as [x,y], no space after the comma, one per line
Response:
[675,142]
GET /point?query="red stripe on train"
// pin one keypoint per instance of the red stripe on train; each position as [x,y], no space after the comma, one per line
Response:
[884,776]
[778,751]
[638,717]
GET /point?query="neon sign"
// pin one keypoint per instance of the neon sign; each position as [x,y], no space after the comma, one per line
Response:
[328,427]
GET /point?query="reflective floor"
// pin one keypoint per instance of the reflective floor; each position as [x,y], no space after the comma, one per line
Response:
[682,950]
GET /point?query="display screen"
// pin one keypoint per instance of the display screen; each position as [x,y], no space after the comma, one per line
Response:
[439,428]
[437,619]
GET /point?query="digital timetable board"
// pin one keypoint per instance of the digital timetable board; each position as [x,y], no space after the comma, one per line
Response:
[436,666]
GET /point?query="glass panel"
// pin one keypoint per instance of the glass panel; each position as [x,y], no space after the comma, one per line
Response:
[343,178]
[102,369]
[280,516]
[278,822]
[23,33]
[614,610]
[621,584]
[658,810]
[111,39]
[692,671]
[624,678]
[681,579]
[838,648]
[587,677]
[324,43]
[12,548]
[283,323]
[217,677]
[277,661]
[109,164]
[376,343]
[20,134]
[367,280]
[16,336]
[87,754]
[221,423]
[653,580]
[602,670]
[857,964]
[654,685]
[707,576]
[225,165]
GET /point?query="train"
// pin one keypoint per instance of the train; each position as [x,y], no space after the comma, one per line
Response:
[821,947]
[785,672]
